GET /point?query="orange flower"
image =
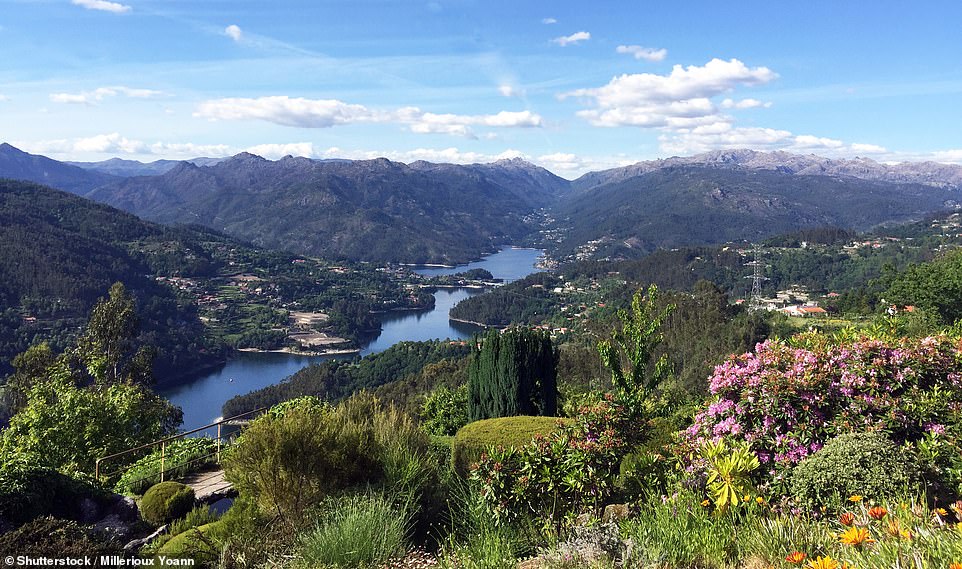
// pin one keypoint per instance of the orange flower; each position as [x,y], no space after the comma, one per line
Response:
[877,513]
[847,519]
[705,503]
[796,557]
[856,537]
[955,565]
[823,563]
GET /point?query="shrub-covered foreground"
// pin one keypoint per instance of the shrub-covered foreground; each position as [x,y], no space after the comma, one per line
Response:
[816,452]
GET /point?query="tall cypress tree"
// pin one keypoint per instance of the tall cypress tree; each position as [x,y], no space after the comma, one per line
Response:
[513,373]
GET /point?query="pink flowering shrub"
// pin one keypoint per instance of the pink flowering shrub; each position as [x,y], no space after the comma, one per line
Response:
[788,398]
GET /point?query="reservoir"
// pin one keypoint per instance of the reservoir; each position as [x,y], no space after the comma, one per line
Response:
[202,398]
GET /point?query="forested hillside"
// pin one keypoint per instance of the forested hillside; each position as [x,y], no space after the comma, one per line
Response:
[59,253]
[374,210]
[694,205]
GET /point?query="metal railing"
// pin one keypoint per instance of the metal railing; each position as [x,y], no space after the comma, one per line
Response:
[224,436]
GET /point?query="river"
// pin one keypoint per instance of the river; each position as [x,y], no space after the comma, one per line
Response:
[202,398]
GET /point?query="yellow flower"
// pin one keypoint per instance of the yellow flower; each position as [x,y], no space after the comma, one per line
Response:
[823,563]
[856,537]
[855,499]
[941,512]
[746,498]
[704,503]
[759,500]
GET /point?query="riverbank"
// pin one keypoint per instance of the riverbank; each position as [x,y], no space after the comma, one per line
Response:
[312,353]
[478,324]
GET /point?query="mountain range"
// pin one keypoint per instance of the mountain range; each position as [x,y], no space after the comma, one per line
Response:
[379,210]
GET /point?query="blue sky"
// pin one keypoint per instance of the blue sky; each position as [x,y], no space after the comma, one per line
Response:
[572,86]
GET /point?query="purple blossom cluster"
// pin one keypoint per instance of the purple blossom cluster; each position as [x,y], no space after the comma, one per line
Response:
[787,398]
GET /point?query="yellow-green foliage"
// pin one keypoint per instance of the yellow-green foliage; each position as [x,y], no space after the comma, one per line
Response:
[514,432]
[202,544]
[166,501]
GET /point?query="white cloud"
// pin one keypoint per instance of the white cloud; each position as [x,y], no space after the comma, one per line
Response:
[508,90]
[190,150]
[724,136]
[870,149]
[681,99]
[287,111]
[99,94]
[807,141]
[549,21]
[744,104]
[572,39]
[102,5]
[4,98]
[949,156]
[324,113]
[112,143]
[646,53]
[234,32]
[275,151]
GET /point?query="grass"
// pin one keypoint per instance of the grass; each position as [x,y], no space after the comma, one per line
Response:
[357,531]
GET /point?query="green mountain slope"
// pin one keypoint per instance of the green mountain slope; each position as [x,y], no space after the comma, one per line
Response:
[60,252]
[374,210]
[691,205]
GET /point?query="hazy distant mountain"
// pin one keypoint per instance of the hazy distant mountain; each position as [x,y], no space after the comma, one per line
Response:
[128,168]
[674,206]
[928,173]
[366,209]
[19,165]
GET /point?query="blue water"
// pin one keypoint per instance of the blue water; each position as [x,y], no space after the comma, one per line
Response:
[202,398]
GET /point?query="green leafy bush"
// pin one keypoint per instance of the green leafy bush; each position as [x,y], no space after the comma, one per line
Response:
[199,516]
[863,464]
[509,432]
[290,458]
[166,502]
[297,454]
[358,531]
[180,457]
[445,410]
[555,478]
[54,538]
[28,490]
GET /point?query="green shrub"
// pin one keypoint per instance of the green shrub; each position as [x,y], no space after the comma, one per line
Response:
[28,491]
[166,502]
[864,464]
[201,544]
[358,531]
[240,538]
[509,432]
[180,457]
[444,410]
[199,516]
[53,538]
[289,459]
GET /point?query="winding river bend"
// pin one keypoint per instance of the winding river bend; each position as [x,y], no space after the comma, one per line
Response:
[202,398]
